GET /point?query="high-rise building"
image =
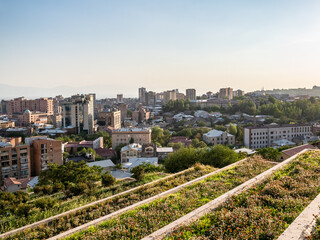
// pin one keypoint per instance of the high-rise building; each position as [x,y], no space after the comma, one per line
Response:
[226,93]
[142,95]
[78,112]
[43,151]
[169,95]
[150,98]
[110,118]
[191,94]
[119,98]
[14,159]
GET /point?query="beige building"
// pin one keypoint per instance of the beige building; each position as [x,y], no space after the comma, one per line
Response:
[216,137]
[169,95]
[19,105]
[43,151]
[7,124]
[141,115]
[78,112]
[191,94]
[28,118]
[226,93]
[14,159]
[124,135]
[110,118]
[130,151]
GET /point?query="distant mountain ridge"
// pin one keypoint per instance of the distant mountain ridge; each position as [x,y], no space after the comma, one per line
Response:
[9,91]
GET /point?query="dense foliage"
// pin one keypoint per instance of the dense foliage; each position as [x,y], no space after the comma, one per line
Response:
[159,136]
[218,156]
[103,208]
[146,219]
[264,211]
[11,219]
[75,178]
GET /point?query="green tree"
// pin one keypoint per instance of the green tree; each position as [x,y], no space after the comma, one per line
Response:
[232,129]
[107,180]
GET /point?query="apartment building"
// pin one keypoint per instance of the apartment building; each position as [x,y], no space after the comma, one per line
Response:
[169,95]
[142,95]
[19,105]
[264,136]
[124,135]
[78,112]
[28,118]
[216,137]
[14,159]
[119,98]
[191,94]
[44,150]
[123,107]
[238,93]
[110,117]
[226,93]
[140,115]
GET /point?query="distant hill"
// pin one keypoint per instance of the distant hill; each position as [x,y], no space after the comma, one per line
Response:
[315,91]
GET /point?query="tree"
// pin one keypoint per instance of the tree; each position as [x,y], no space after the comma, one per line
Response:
[138,172]
[107,180]
[232,129]
[269,153]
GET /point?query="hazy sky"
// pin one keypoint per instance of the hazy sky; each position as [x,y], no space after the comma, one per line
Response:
[160,44]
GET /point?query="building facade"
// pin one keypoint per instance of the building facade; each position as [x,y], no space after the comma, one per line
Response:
[141,115]
[124,135]
[119,98]
[191,94]
[142,95]
[216,137]
[226,93]
[78,112]
[43,151]
[110,118]
[14,159]
[264,136]
[19,105]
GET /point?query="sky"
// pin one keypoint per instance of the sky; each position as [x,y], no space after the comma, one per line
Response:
[118,46]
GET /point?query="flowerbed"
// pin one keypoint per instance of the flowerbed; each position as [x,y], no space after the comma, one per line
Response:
[264,211]
[64,204]
[150,217]
[88,214]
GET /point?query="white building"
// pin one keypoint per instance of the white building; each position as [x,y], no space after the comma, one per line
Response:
[265,136]
[219,137]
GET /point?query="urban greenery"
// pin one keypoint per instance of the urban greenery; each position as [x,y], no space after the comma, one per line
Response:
[146,219]
[218,156]
[264,211]
[95,211]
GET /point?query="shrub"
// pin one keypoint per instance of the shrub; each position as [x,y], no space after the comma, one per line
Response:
[107,180]
[45,203]
[138,172]
[23,209]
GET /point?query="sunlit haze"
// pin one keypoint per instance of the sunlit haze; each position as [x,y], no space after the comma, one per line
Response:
[118,46]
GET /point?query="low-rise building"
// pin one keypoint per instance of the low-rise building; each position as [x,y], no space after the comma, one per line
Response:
[110,118]
[134,162]
[185,141]
[216,137]
[13,185]
[264,136]
[124,135]
[131,151]
[106,165]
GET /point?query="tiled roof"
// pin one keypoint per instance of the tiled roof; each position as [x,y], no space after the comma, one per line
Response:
[292,151]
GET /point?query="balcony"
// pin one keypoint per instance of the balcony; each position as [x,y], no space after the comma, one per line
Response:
[24,160]
[24,166]
[23,150]
[5,169]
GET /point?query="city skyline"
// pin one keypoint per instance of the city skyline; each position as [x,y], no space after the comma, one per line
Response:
[182,44]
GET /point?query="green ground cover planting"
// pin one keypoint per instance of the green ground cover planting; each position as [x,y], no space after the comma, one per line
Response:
[9,220]
[146,219]
[88,214]
[264,211]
